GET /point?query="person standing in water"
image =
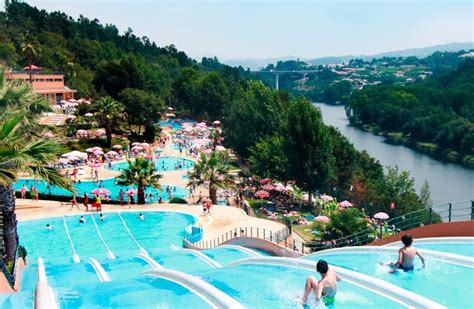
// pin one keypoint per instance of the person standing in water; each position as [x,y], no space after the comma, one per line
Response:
[325,288]
[406,256]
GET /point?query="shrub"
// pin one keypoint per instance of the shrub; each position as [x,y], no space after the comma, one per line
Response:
[177,200]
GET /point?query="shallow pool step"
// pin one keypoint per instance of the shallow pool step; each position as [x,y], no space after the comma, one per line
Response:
[182,261]
[17,300]
[122,269]
[61,275]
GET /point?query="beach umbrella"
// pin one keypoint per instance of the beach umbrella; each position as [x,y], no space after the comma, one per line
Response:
[88,114]
[32,68]
[289,188]
[170,108]
[186,125]
[136,144]
[265,181]
[381,216]
[98,152]
[323,219]
[145,145]
[262,194]
[279,187]
[217,122]
[76,154]
[90,150]
[99,132]
[117,146]
[100,191]
[81,133]
[132,192]
[326,198]
[220,148]
[268,187]
[137,148]
[345,204]
[97,148]
[63,160]
[112,153]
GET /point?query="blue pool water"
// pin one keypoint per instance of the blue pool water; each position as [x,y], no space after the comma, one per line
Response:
[253,285]
[171,123]
[442,282]
[88,186]
[270,286]
[163,164]
[466,249]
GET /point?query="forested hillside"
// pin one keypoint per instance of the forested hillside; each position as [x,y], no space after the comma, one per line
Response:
[97,60]
[436,113]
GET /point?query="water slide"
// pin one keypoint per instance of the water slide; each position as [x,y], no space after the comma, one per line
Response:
[402,296]
[109,253]
[75,257]
[213,296]
[140,248]
[100,271]
[44,295]
[248,251]
[211,262]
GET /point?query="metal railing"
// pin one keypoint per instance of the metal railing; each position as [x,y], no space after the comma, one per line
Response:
[450,212]
[255,232]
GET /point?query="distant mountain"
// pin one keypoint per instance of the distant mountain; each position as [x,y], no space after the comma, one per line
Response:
[255,64]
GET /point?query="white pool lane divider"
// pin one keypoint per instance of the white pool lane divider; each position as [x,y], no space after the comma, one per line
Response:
[388,290]
[99,270]
[75,257]
[110,254]
[140,248]
[44,294]
[203,257]
[209,293]
[455,259]
[248,251]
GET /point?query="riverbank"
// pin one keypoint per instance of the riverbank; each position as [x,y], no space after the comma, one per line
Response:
[430,149]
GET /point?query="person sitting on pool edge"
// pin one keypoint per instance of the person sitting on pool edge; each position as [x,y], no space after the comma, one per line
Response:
[325,288]
[406,256]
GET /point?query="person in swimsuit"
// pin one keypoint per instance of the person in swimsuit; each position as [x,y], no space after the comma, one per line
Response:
[325,288]
[406,256]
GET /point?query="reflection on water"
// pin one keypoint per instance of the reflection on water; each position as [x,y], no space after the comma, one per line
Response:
[448,181]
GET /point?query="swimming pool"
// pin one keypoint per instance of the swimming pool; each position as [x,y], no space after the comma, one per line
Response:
[435,282]
[175,125]
[163,164]
[254,285]
[87,186]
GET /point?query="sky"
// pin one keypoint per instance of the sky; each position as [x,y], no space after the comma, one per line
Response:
[268,29]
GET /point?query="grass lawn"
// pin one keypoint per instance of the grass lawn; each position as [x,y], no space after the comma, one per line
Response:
[304,231]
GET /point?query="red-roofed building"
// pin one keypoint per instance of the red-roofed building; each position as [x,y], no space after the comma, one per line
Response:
[51,85]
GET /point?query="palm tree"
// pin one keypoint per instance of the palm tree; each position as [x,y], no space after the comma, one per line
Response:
[214,169]
[108,112]
[30,51]
[140,172]
[22,150]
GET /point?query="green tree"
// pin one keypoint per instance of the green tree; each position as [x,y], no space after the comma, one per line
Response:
[142,108]
[108,113]
[213,169]
[308,147]
[268,158]
[141,173]
[343,223]
[256,112]
[30,51]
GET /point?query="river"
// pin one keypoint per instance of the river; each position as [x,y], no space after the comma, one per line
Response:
[448,182]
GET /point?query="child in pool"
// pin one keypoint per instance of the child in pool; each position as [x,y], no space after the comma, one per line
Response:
[325,288]
[406,256]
